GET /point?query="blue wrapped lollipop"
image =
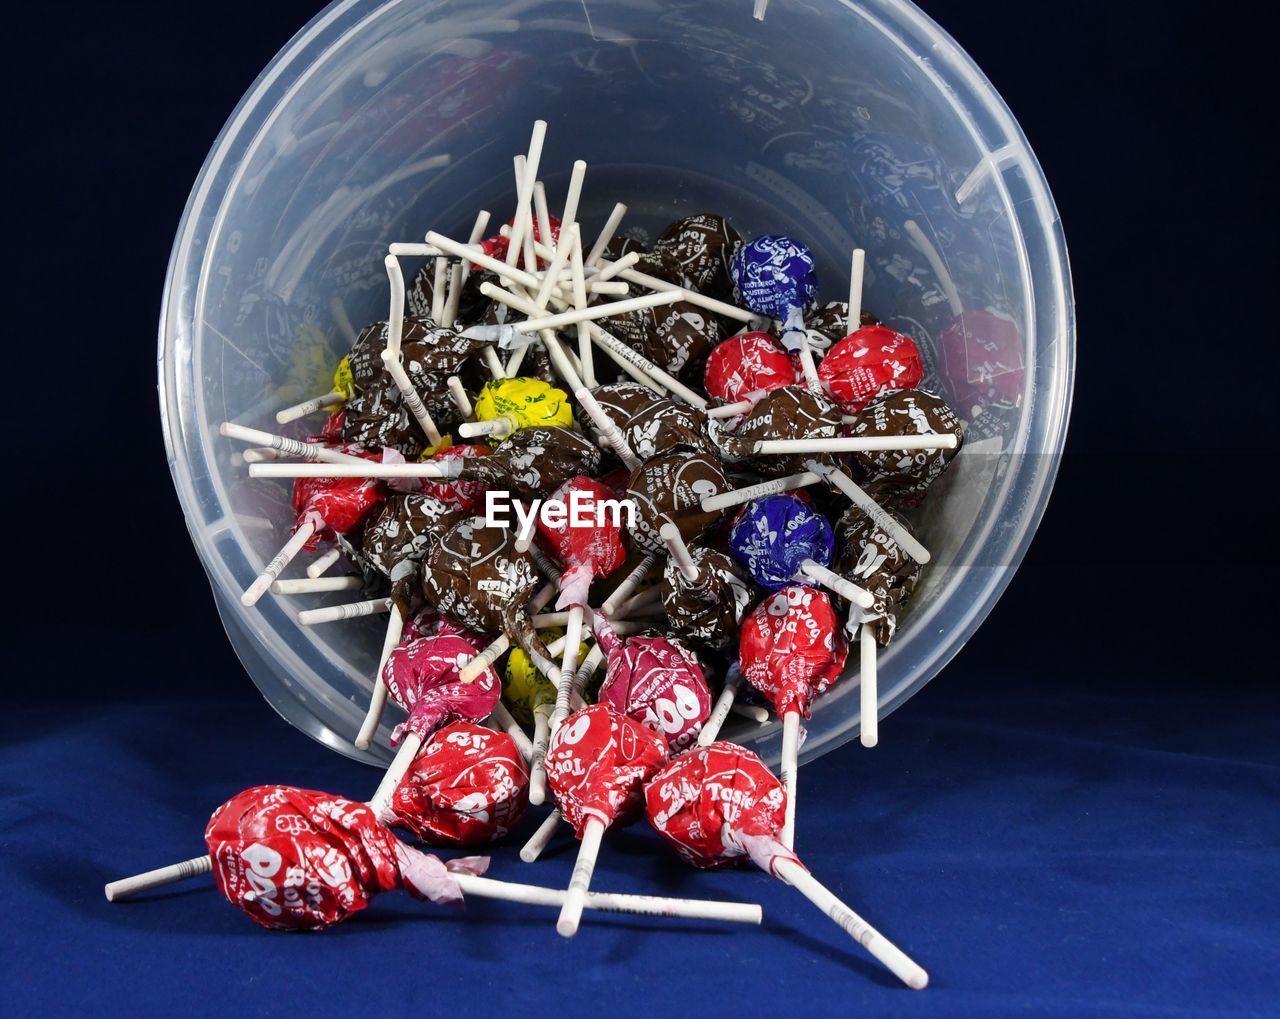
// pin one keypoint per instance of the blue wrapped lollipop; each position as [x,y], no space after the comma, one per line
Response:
[775,276]
[781,540]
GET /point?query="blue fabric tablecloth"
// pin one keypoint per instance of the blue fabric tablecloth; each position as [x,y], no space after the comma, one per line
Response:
[1052,853]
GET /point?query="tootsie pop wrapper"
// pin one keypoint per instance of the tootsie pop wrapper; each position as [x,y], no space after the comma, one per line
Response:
[334,506]
[296,859]
[719,806]
[467,496]
[405,528]
[586,550]
[669,489]
[827,325]
[909,412]
[677,337]
[981,365]
[747,366]
[656,682]
[531,403]
[535,461]
[422,677]
[789,412]
[664,425]
[775,276]
[775,535]
[700,249]
[468,786]
[476,578]
[791,648]
[711,608]
[868,362]
[622,401]
[472,304]
[874,561]
[597,764]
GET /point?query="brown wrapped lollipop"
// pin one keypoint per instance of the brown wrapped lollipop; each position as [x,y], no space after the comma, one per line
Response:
[404,531]
[477,578]
[704,593]
[789,412]
[905,474]
[677,337]
[472,305]
[622,401]
[828,325]
[669,489]
[664,425]
[700,249]
[535,461]
[871,558]
[377,416]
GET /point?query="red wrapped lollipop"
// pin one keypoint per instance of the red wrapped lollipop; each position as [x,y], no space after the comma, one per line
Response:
[745,367]
[791,650]
[868,362]
[326,507]
[467,496]
[597,765]
[422,677]
[656,682]
[468,786]
[294,859]
[719,805]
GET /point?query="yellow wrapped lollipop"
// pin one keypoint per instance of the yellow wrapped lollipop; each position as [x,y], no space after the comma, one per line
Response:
[506,405]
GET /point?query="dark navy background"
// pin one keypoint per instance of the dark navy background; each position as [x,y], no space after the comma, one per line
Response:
[1080,816]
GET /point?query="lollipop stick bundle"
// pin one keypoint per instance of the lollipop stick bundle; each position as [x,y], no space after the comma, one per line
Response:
[716,473]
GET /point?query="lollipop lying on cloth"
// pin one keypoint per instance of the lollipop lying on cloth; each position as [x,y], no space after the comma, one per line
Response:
[597,765]
[791,651]
[656,682]
[468,786]
[325,507]
[703,591]
[720,805]
[781,540]
[871,556]
[293,859]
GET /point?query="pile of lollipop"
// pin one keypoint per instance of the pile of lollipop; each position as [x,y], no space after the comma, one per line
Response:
[708,471]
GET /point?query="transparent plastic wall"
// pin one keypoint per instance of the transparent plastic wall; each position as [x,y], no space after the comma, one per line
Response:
[838,123]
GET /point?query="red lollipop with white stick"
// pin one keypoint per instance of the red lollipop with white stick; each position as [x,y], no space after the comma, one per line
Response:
[326,507]
[870,361]
[656,682]
[422,677]
[743,368]
[295,859]
[719,805]
[791,650]
[468,786]
[597,765]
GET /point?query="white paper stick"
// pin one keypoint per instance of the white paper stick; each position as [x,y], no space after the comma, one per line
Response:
[408,249]
[807,367]
[359,469]
[629,583]
[690,296]
[885,521]
[611,269]
[715,721]
[854,322]
[378,699]
[438,291]
[319,585]
[559,260]
[544,228]
[324,563]
[613,902]
[580,880]
[730,410]
[257,456]
[406,753]
[538,766]
[677,388]
[580,302]
[311,451]
[869,699]
[606,235]
[493,363]
[678,551]
[480,257]
[714,503]
[568,667]
[609,431]
[500,426]
[279,561]
[338,613]
[831,580]
[790,765]
[613,288]
[751,712]
[574,194]
[391,361]
[939,267]
[598,311]
[395,315]
[541,838]
[461,273]
[505,721]
[849,444]
[884,950]
[525,190]
[317,403]
[460,398]
[125,887]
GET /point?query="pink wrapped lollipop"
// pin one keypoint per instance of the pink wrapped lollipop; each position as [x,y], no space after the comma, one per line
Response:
[656,682]
[792,650]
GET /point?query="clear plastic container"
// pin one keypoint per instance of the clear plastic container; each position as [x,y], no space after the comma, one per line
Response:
[836,122]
